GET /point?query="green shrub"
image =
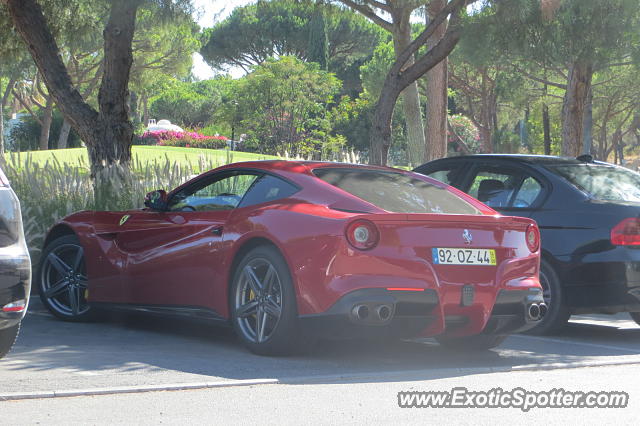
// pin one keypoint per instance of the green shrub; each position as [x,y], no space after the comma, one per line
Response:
[54,190]
[25,135]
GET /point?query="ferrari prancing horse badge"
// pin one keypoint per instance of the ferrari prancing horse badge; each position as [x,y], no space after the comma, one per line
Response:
[123,219]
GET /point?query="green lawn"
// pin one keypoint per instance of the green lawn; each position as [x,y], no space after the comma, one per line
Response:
[142,154]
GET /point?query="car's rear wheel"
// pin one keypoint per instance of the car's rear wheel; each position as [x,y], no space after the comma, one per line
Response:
[263,305]
[635,316]
[478,342]
[557,313]
[8,337]
[62,279]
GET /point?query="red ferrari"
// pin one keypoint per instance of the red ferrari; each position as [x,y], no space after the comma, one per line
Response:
[284,250]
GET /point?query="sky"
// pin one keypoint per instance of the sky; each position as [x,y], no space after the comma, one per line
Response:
[207,12]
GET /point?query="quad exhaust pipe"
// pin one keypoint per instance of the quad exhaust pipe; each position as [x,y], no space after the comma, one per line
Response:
[376,314]
[543,309]
[537,310]
[360,312]
[383,312]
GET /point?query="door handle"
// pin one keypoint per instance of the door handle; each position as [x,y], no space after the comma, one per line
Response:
[217,230]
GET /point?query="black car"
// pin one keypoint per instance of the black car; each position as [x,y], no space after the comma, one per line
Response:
[589,218]
[15,267]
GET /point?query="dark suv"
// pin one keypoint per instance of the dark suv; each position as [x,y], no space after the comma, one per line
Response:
[589,218]
[15,267]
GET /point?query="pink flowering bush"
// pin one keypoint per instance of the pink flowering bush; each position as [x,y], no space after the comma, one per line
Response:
[183,139]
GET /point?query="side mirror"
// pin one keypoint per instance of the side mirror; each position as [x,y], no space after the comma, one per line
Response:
[156,200]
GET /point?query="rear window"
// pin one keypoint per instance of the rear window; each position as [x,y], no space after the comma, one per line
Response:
[601,182]
[395,192]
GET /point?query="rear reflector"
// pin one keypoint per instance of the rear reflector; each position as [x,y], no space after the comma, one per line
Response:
[404,289]
[17,306]
[626,233]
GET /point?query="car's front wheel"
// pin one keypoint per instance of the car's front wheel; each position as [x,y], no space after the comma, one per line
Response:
[62,279]
[478,342]
[263,303]
[8,337]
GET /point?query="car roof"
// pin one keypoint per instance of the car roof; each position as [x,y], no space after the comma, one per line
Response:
[524,158]
[296,165]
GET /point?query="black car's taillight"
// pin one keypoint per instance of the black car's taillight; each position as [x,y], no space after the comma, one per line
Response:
[362,234]
[626,233]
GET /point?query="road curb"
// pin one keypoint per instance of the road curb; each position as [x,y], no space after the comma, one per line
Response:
[333,378]
[447,372]
[133,389]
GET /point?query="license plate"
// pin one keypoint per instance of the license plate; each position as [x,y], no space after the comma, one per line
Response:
[461,256]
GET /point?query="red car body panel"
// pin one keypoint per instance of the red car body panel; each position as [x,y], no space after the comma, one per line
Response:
[176,258]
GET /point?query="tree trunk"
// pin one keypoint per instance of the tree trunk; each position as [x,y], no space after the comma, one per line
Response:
[63,138]
[116,130]
[546,126]
[488,106]
[578,86]
[436,129]
[109,132]
[381,130]
[145,110]
[587,122]
[133,105]
[1,131]
[401,76]
[410,98]
[45,129]
[603,152]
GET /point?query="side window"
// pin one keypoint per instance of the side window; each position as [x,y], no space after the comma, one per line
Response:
[450,175]
[528,192]
[504,188]
[268,188]
[221,194]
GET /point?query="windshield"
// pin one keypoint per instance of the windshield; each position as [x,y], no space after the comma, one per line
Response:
[601,182]
[396,192]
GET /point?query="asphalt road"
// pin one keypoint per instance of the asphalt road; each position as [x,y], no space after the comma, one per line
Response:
[351,402]
[136,353]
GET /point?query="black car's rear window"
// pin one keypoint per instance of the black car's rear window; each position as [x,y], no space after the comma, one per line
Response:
[600,181]
[395,192]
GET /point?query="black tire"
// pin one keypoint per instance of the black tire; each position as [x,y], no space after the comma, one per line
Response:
[635,316]
[57,282]
[277,336]
[478,342]
[557,314]
[8,338]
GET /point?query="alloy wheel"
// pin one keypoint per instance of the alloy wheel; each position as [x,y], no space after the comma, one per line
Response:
[546,288]
[258,300]
[64,280]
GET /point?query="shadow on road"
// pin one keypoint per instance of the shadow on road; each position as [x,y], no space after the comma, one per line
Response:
[136,349]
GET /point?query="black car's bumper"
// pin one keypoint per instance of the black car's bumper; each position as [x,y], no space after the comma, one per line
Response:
[15,282]
[411,313]
[603,282]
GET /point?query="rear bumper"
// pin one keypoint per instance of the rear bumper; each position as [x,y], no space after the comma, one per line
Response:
[419,314]
[15,282]
[605,282]
[410,313]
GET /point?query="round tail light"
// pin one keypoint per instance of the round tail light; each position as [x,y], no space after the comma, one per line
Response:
[362,234]
[533,238]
